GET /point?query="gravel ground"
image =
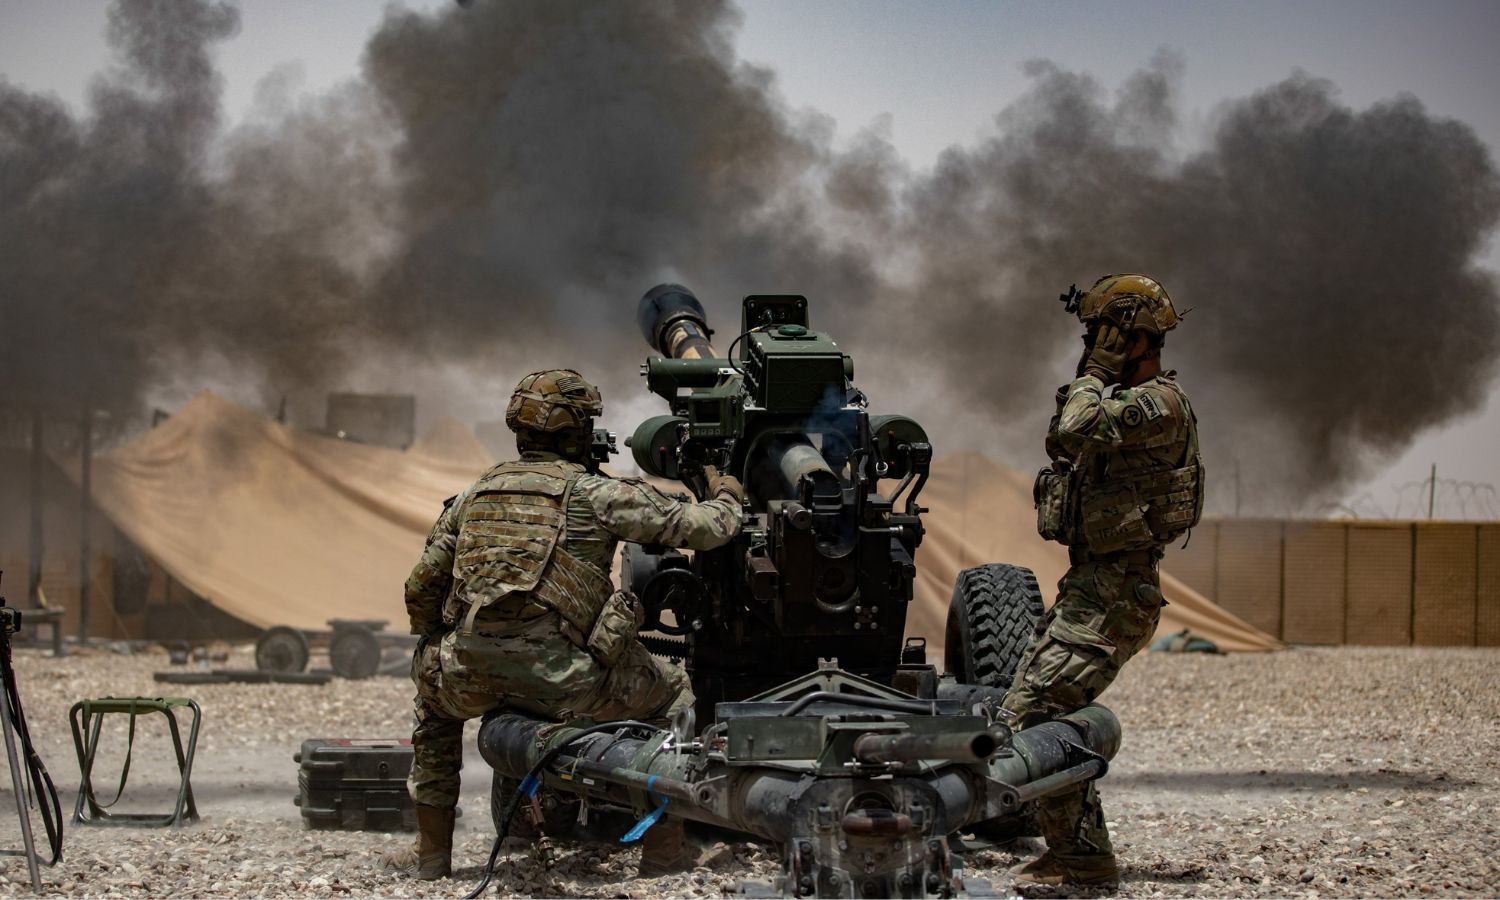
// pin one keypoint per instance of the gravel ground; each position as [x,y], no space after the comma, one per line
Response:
[1314,772]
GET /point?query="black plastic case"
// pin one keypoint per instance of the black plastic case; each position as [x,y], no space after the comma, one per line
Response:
[355,784]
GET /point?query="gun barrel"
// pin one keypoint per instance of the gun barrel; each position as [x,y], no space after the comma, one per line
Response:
[902,748]
[797,459]
[674,323]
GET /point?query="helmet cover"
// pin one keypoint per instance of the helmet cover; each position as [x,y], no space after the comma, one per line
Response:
[1130,303]
[552,400]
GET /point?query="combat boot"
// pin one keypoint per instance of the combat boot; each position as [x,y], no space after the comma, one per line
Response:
[1047,869]
[431,857]
[665,849]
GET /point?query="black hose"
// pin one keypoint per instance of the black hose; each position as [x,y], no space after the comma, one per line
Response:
[531,782]
[40,781]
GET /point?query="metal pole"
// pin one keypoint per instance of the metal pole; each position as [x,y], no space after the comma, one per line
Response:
[1432,492]
[19,785]
[34,577]
[85,514]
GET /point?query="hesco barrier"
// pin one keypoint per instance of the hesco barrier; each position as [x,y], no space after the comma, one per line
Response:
[1487,615]
[1433,584]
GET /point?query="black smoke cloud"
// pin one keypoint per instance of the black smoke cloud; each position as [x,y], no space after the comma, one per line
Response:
[505,179]
[92,213]
[1327,255]
[558,158]
[499,188]
[140,243]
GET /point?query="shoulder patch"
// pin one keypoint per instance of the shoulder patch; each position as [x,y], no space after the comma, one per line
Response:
[1132,415]
[1149,407]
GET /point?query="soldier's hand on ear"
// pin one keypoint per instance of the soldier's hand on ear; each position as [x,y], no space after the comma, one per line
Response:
[1107,359]
[1083,358]
[721,484]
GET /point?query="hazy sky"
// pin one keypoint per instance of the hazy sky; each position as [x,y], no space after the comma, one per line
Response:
[940,71]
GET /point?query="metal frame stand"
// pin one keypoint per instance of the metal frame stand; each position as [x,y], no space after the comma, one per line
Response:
[92,719]
[18,782]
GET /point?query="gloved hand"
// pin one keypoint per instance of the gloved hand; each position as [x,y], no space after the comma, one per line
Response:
[1083,358]
[721,484]
[1107,359]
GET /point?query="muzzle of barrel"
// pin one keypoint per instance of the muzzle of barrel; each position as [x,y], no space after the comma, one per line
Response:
[674,323]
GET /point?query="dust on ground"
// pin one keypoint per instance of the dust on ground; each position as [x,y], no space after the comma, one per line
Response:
[1311,772]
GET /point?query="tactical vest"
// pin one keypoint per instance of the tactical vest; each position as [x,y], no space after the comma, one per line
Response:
[1082,505]
[511,550]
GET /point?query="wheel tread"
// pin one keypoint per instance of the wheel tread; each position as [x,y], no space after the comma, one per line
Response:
[994,612]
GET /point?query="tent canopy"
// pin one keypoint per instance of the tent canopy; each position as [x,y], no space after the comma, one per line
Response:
[281,527]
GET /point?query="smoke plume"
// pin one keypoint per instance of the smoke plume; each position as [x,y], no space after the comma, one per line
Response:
[505,179]
[1326,255]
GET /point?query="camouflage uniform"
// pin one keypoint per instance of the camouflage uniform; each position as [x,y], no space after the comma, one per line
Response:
[515,576]
[1136,485]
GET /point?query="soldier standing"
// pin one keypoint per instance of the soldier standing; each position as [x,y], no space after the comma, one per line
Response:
[1126,479]
[515,606]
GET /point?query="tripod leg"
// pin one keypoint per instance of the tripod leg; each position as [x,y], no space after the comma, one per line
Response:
[18,780]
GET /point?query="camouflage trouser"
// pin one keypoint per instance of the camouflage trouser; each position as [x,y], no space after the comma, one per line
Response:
[533,670]
[1105,613]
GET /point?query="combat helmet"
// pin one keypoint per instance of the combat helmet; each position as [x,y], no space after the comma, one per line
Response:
[553,400]
[1129,302]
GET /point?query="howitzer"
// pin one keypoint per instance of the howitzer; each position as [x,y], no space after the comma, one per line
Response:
[858,770]
[824,565]
[859,784]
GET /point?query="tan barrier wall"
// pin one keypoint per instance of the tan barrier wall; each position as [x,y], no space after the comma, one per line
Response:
[1197,563]
[1445,585]
[1248,573]
[1487,613]
[1315,565]
[1380,572]
[1434,584]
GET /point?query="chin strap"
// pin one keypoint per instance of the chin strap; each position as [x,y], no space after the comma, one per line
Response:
[1133,366]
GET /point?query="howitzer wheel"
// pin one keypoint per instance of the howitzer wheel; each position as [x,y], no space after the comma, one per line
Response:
[281,649]
[991,618]
[354,653]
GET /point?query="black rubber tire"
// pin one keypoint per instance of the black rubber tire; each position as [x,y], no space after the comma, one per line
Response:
[354,653]
[991,619]
[282,649]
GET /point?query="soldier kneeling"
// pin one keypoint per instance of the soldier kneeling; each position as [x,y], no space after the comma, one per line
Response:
[516,608]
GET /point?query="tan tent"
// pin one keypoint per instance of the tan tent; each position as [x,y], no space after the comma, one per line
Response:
[281,527]
[277,526]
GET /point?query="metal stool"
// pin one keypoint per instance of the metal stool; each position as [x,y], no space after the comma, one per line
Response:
[93,716]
